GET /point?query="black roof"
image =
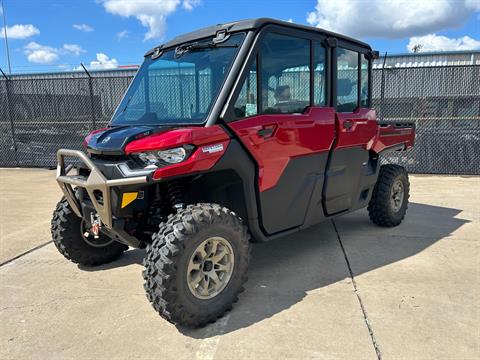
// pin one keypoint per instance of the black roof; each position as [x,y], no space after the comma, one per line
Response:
[250,24]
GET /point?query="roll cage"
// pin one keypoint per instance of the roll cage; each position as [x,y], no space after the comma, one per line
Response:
[222,109]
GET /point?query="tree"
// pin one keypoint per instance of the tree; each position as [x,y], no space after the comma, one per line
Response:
[417,47]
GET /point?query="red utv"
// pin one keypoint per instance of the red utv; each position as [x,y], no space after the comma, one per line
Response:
[240,132]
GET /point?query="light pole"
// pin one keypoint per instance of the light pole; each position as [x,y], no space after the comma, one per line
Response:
[6,39]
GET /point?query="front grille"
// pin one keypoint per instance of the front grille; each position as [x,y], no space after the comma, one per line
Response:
[109,158]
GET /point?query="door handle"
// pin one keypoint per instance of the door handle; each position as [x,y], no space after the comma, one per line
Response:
[347,124]
[266,131]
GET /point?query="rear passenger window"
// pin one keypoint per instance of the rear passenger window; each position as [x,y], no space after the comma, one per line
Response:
[319,78]
[285,69]
[364,100]
[347,80]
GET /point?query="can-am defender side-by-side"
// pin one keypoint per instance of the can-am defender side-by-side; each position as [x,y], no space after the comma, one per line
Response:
[239,132]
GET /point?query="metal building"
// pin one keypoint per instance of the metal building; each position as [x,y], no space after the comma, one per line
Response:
[426,59]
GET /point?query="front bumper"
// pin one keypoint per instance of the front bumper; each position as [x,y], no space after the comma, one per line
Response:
[94,182]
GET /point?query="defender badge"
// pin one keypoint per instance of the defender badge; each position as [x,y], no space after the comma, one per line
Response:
[212,148]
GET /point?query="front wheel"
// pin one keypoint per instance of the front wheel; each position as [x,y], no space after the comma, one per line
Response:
[196,265]
[389,201]
[68,236]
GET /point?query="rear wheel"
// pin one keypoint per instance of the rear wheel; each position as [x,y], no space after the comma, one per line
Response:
[389,201]
[68,236]
[196,265]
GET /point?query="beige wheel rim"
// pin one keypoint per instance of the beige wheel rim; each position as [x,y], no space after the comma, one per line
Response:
[210,268]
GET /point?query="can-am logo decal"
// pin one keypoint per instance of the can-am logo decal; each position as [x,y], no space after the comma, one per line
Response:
[212,148]
[107,139]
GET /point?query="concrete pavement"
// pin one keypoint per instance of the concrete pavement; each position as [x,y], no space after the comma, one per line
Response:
[27,200]
[346,289]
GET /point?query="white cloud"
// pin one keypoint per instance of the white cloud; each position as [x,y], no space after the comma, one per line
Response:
[103,62]
[43,54]
[152,14]
[190,4]
[473,4]
[391,18]
[83,27]
[19,31]
[73,48]
[433,42]
[40,54]
[122,35]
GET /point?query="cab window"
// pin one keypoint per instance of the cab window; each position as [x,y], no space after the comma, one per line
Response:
[319,77]
[285,74]
[246,104]
[347,80]
[364,93]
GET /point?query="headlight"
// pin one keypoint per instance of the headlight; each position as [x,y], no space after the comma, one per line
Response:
[148,158]
[173,156]
[169,156]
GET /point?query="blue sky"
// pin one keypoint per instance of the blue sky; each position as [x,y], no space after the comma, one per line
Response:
[52,35]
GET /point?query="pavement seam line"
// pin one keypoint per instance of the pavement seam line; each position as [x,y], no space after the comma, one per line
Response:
[25,253]
[359,298]
[209,345]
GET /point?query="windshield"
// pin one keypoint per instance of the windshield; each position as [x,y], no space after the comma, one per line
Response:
[180,86]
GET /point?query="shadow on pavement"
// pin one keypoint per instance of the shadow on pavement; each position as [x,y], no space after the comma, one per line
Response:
[284,270]
[130,257]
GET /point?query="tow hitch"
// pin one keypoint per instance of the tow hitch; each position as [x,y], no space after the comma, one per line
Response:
[96,226]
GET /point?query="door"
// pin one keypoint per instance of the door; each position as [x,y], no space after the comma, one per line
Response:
[350,173]
[286,127]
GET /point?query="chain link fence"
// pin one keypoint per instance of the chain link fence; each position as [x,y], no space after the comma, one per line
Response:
[444,103]
[41,113]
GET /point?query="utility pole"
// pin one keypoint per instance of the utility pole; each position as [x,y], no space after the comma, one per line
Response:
[6,38]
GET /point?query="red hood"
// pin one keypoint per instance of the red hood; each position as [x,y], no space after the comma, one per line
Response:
[182,136]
